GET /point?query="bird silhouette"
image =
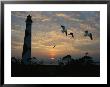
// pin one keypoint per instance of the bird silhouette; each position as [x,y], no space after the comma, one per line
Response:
[64,29]
[54,46]
[88,34]
[71,35]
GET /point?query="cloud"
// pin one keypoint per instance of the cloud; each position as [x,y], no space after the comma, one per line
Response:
[17,29]
[16,45]
[19,14]
[69,17]
[46,32]
[62,15]
[43,20]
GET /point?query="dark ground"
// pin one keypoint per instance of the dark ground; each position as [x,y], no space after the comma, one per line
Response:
[76,70]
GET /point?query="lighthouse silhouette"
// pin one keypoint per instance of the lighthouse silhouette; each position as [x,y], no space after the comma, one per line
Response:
[26,54]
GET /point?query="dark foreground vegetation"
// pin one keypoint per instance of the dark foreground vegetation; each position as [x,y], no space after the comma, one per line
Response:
[75,70]
[67,67]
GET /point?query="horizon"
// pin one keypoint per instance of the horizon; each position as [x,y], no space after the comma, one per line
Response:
[46,32]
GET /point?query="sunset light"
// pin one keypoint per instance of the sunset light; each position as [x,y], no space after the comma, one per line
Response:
[52,53]
[55,43]
[47,36]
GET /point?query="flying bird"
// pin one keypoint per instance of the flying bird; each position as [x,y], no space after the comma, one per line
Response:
[88,34]
[71,35]
[64,29]
[54,46]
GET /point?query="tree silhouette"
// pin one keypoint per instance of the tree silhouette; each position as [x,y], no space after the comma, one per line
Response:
[67,59]
[13,60]
[34,61]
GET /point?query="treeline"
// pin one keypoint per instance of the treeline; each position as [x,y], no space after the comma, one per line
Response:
[66,60]
[67,67]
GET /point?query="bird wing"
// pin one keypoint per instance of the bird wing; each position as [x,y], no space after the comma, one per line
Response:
[54,46]
[72,35]
[86,33]
[66,32]
[90,35]
[63,27]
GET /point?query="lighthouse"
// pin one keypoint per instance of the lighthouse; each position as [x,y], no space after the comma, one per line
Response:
[26,54]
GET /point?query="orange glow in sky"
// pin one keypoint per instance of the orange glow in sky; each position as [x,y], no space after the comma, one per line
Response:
[52,53]
[47,33]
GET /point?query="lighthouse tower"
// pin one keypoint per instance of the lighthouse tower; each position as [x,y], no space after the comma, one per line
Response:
[26,54]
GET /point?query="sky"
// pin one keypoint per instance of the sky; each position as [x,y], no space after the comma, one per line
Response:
[46,32]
